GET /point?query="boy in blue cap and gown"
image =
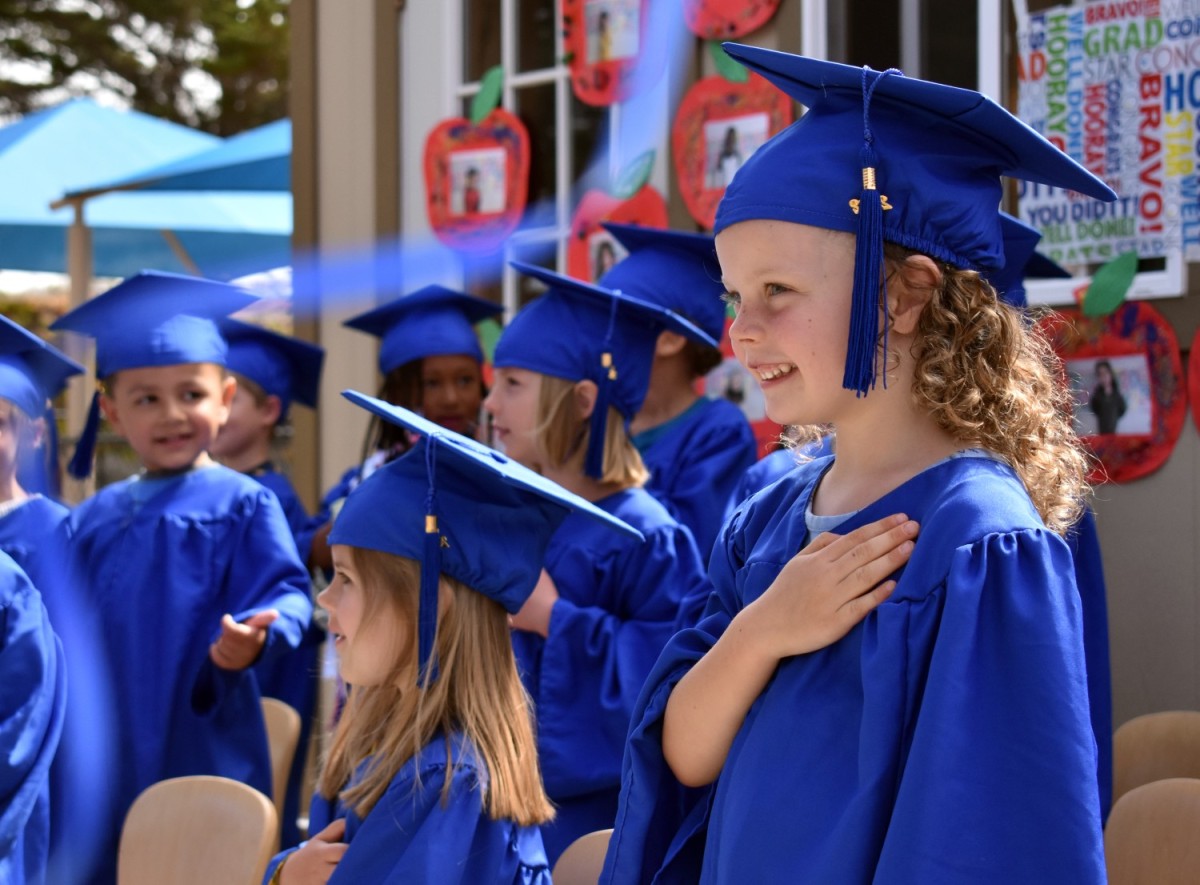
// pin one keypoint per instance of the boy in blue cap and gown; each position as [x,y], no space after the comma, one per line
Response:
[32,705]
[31,373]
[593,627]
[695,447]
[944,737]
[463,513]
[432,363]
[272,372]
[188,569]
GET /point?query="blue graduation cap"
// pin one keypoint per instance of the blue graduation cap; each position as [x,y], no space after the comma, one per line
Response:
[31,370]
[922,162]
[580,331]
[1021,261]
[284,367]
[434,321]
[150,319]
[673,269]
[460,509]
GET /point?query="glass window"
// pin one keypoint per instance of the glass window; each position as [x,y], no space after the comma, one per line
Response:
[537,34]
[481,39]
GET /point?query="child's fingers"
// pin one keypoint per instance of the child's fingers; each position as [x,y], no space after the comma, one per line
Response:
[866,575]
[849,542]
[876,544]
[332,833]
[262,619]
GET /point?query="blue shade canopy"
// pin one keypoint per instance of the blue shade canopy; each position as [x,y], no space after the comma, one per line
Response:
[68,147]
[256,160]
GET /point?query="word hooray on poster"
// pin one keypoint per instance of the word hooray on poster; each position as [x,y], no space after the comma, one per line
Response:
[1116,84]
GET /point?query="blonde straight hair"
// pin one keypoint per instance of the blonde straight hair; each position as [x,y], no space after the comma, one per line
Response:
[564,435]
[477,692]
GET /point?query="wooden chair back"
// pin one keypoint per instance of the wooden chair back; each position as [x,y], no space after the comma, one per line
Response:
[1153,834]
[283,734]
[195,831]
[583,860]
[1154,747]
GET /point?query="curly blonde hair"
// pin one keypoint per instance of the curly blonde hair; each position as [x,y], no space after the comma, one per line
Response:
[991,380]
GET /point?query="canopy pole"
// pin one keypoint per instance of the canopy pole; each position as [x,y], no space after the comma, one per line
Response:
[181,253]
[81,387]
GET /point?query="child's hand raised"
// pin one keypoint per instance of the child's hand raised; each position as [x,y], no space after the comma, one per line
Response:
[239,645]
[314,861]
[534,615]
[831,585]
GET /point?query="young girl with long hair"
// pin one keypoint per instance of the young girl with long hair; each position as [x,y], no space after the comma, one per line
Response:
[915,711]
[571,371]
[432,773]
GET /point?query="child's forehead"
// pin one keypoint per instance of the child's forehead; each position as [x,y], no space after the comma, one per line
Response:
[167,376]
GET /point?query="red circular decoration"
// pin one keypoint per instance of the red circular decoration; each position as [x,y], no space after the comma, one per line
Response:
[1127,378]
[476,179]
[718,125]
[603,42]
[726,19]
[591,246]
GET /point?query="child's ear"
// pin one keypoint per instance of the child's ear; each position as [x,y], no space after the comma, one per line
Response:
[228,392]
[911,288]
[585,398]
[669,344]
[272,409]
[108,408]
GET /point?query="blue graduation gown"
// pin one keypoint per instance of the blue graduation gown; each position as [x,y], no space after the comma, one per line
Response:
[411,836]
[292,678]
[946,738]
[694,462]
[32,704]
[616,611]
[26,528]
[156,579]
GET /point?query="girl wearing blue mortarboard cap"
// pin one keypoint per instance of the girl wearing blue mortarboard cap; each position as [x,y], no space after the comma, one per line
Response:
[854,706]
[572,369]
[432,773]
[432,363]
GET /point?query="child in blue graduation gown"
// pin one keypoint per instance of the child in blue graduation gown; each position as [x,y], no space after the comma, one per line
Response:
[187,569]
[431,362]
[432,772]
[31,372]
[272,372]
[695,447]
[32,703]
[571,370]
[935,728]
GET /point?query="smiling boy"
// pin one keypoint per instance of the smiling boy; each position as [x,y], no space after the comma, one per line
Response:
[188,569]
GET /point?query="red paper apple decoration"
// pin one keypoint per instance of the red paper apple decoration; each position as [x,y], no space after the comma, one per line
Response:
[603,42]
[591,250]
[718,125]
[727,19]
[477,173]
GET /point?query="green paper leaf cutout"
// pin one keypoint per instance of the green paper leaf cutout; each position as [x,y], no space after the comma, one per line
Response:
[731,70]
[488,97]
[1110,284]
[634,176]
[489,334]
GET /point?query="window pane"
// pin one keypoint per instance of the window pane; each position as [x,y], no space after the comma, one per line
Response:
[481,37]
[589,137]
[949,53]
[537,37]
[871,34]
[535,107]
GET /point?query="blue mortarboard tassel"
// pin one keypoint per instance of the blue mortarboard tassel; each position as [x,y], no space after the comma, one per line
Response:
[862,358]
[593,464]
[80,465]
[431,568]
[49,458]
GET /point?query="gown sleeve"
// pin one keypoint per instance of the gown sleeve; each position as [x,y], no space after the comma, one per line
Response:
[411,835]
[264,573]
[998,783]
[32,706]
[596,658]
[659,821]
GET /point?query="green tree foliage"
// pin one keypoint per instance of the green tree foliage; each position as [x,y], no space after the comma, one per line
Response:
[217,65]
